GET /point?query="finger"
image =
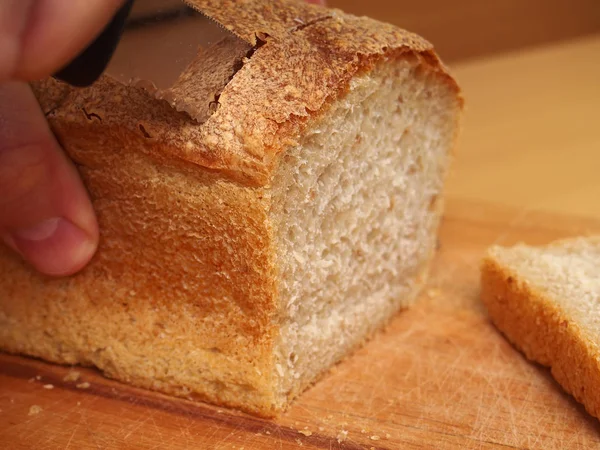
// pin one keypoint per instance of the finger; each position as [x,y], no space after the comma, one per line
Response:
[45,213]
[39,37]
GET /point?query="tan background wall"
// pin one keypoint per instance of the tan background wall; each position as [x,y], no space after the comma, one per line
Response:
[463,29]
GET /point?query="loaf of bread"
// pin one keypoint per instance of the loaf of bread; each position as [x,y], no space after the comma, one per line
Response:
[546,300]
[242,255]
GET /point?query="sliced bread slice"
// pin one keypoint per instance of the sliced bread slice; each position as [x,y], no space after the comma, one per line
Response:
[546,300]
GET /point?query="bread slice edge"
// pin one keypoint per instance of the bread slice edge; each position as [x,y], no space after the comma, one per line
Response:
[539,328]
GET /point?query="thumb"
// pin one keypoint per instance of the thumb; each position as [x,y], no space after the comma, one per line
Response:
[45,214]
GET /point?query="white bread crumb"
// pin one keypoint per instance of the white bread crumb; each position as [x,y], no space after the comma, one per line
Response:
[342,436]
[34,409]
[73,375]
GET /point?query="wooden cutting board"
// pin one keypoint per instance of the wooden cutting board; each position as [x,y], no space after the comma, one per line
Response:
[439,377]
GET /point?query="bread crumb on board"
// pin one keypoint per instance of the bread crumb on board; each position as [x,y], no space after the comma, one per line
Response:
[83,385]
[342,436]
[374,437]
[34,409]
[48,386]
[73,375]
[433,292]
[305,432]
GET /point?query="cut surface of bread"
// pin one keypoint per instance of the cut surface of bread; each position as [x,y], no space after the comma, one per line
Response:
[241,257]
[356,208]
[546,300]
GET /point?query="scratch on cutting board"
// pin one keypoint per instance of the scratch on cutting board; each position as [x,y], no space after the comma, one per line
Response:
[83,417]
[137,424]
[506,394]
[73,433]
[488,412]
[449,370]
[280,438]
[254,441]
[177,440]
[186,428]
[216,428]
[155,425]
[226,438]
[29,433]
[172,440]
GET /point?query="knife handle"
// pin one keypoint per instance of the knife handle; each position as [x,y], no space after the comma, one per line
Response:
[87,67]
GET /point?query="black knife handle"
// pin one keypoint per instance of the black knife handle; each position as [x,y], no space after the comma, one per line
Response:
[87,67]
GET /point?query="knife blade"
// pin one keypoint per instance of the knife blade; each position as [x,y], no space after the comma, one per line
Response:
[154,44]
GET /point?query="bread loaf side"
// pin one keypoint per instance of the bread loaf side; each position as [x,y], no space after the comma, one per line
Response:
[241,257]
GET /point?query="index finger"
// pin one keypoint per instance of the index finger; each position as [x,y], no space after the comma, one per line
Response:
[39,37]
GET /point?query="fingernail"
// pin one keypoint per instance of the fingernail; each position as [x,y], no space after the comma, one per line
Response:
[54,246]
[38,232]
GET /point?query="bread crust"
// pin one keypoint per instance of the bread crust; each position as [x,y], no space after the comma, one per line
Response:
[542,331]
[180,296]
[309,56]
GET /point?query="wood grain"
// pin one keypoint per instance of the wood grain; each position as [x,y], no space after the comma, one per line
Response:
[531,136]
[465,29]
[439,377]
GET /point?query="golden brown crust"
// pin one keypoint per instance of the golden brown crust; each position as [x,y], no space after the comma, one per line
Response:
[309,57]
[256,19]
[198,87]
[543,332]
[180,296]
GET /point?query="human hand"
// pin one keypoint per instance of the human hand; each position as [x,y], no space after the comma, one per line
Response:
[45,213]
